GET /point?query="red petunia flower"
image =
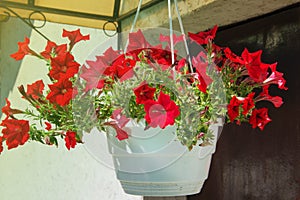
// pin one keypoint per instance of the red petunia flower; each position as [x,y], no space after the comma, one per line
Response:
[248,103]
[143,93]
[275,78]
[63,66]
[70,139]
[136,44]
[259,118]
[105,65]
[200,63]
[109,56]
[162,112]
[121,134]
[93,75]
[8,111]
[120,118]
[74,37]
[52,50]
[48,126]
[264,95]
[234,108]
[35,90]
[61,92]
[232,57]
[204,37]
[137,41]
[107,60]
[257,70]
[16,132]
[162,57]
[123,68]
[167,38]
[180,66]
[23,50]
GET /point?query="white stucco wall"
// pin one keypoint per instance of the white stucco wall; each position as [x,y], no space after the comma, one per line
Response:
[39,172]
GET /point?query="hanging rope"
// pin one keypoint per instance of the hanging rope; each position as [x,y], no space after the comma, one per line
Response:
[136,15]
[184,37]
[171,32]
[133,23]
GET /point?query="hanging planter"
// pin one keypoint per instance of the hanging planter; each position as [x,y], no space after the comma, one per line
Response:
[155,163]
[147,131]
[159,103]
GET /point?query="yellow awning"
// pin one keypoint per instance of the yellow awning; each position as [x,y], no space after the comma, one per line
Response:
[89,13]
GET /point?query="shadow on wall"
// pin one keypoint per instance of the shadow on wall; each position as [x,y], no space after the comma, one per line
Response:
[11,33]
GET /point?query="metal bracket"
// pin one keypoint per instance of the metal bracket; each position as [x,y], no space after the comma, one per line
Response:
[116,19]
[28,22]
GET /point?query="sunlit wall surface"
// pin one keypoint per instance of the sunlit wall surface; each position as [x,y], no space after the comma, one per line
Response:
[36,171]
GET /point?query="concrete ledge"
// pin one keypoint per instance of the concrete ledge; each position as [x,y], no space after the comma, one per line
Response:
[200,15]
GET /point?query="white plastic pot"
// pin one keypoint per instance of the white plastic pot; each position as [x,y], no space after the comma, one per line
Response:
[155,163]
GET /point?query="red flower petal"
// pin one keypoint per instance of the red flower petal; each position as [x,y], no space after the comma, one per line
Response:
[23,50]
[63,66]
[8,111]
[234,108]
[137,41]
[264,95]
[248,103]
[257,70]
[61,92]
[120,118]
[200,63]
[52,50]
[74,36]
[233,57]
[162,112]
[162,57]
[121,134]
[155,114]
[16,132]
[144,93]
[275,78]
[110,55]
[180,66]
[94,74]
[70,139]
[259,118]
[48,126]
[204,37]
[35,90]
[123,68]
[166,38]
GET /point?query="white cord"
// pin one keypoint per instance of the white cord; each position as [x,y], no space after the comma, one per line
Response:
[134,22]
[184,38]
[171,32]
[136,15]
